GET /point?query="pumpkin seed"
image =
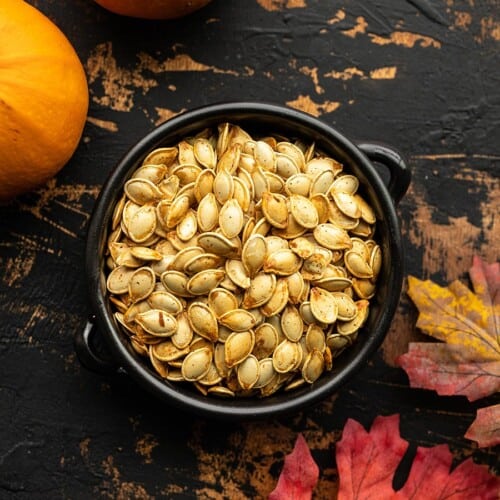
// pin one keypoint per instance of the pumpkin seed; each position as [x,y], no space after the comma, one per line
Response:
[196,364]
[275,209]
[254,254]
[204,281]
[314,366]
[157,322]
[231,218]
[261,289]
[266,340]
[286,356]
[238,346]
[203,321]
[238,320]
[323,306]
[303,211]
[248,372]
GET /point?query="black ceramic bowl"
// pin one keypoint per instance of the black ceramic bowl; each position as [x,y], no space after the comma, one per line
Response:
[103,347]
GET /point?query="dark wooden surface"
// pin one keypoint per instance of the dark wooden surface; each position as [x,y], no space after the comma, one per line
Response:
[422,76]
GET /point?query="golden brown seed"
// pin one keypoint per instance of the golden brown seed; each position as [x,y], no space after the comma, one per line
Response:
[157,322]
[323,306]
[204,281]
[254,254]
[282,262]
[314,366]
[207,214]
[196,364]
[266,340]
[231,218]
[278,300]
[238,346]
[291,323]
[261,289]
[203,321]
[303,211]
[248,372]
[238,320]
[287,356]
[275,209]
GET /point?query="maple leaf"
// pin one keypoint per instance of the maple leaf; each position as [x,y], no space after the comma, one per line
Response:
[367,461]
[467,361]
[299,475]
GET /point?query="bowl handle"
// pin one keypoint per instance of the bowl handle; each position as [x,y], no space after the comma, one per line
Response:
[400,175]
[91,350]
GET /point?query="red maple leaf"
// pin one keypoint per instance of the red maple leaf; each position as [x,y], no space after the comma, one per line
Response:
[366,462]
[299,475]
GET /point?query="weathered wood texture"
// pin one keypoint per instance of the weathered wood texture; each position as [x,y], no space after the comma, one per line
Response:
[422,76]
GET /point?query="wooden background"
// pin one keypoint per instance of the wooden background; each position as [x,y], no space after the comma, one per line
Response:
[420,75]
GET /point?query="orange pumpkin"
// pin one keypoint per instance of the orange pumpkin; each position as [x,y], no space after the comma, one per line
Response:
[153,9]
[43,99]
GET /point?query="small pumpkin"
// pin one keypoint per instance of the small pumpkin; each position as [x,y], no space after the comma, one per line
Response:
[43,99]
[153,9]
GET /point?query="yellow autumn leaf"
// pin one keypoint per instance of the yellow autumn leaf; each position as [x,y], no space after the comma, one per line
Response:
[457,316]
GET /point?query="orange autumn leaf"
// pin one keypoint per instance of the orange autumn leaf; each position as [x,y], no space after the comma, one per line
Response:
[467,362]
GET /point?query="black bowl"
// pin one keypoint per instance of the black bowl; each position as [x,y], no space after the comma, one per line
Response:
[259,119]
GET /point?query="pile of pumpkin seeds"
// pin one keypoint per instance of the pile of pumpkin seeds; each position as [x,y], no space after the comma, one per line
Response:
[242,266]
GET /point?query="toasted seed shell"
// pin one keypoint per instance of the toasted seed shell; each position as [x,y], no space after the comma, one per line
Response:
[266,340]
[184,333]
[141,191]
[303,211]
[238,320]
[203,321]
[254,254]
[282,262]
[142,224]
[204,281]
[357,265]
[314,366]
[347,204]
[216,243]
[175,282]
[207,214]
[261,289]
[291,323]
[275,209]
[231,218]
[222,301]
[238,346]
[278,300]
[266,373]
[167,351]
[157,322]
[287,356]
[332,237]
[323,306]
[248,372]
[188,226]
[346,307]
[118,279]
[196,364]
[237,273]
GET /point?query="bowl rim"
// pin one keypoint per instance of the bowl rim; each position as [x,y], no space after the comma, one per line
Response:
[237,408]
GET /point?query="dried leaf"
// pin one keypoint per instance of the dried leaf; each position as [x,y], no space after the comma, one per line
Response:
[366,463]
[485,429]
[468,361]
[299,475]
[449,371]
